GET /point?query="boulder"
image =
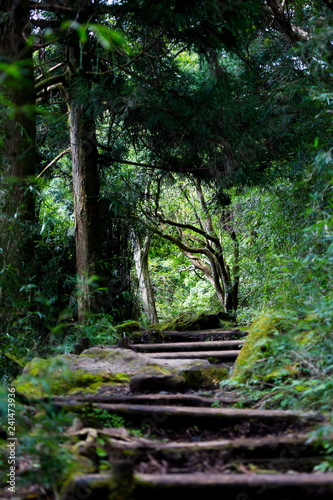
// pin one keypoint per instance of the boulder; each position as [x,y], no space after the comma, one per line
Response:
[192,321]
[265,336]
[95,367]
[157,383]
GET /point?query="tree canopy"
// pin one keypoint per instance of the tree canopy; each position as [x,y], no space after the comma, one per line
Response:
[195,131]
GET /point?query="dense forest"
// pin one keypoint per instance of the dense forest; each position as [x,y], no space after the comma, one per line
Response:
[163,158]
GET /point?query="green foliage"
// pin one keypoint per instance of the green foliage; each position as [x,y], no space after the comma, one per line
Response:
[99,329]
[176,286]
[322,437]
[102,417]
[189,320]
[40,445]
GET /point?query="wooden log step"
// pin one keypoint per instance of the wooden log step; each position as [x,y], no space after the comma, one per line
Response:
[220,355]
[228,486]
[212,417]
[204,334]
[287,448]
[222,345]
[236,486]
[156,399]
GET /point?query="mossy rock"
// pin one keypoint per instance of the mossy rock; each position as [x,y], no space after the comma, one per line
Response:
[269,333]
[128,327]
[54,376]
[192,321]
[92,371]
[261,331]
[205,377]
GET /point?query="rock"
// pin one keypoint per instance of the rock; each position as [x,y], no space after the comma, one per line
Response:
[127,327]
[81,345]
[191,321]
[260,344]
[261,330]
[94,368]
[157,383]
[205,377]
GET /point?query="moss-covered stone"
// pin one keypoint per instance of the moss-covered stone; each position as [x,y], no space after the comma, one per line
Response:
[261,331]
[92,371]
[54,376]
[205,377]
[192,321]
[128,327]
[268,334]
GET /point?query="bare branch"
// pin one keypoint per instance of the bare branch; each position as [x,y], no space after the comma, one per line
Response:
[51,7]
[145,165]
[52,80]
[191,228]
[53,162]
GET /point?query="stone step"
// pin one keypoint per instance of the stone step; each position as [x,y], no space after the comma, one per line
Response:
[222,345]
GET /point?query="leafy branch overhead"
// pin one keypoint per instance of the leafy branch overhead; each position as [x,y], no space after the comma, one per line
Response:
[162,161]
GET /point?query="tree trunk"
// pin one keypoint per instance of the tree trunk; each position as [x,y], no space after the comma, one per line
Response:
[141,249]
[85,191]
[232,291]
[18,133]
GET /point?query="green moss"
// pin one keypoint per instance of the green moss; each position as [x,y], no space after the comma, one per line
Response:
[195,321]
[205,377]
[96,352]
[128,327]
[261,331]
[52,376]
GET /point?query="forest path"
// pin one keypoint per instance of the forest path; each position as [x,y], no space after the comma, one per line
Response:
[196,441]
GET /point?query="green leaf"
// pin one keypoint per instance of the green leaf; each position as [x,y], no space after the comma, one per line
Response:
[108,38]
[101,453]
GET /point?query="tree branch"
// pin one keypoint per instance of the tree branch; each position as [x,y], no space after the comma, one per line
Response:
[50,7]
[145,165]
[191,228]
[181,245]
[293,33]
[53,162]
[52,80]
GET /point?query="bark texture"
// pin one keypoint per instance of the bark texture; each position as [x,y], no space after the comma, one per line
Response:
[141,249]
[18,137]
[85,190]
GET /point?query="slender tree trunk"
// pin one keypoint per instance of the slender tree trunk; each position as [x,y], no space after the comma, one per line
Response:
[141,249]
[18,134]
[85,191]
[233,288]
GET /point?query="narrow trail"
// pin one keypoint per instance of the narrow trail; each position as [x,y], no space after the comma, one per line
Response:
[198,442]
